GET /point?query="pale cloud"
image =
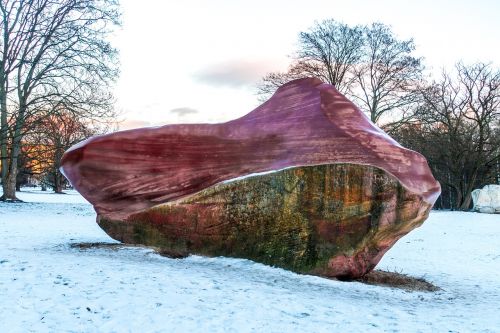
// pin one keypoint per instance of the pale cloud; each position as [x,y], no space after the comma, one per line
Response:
[184,111]
[235,73]
[133,123]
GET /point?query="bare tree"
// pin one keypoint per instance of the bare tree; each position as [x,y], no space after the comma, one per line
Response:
[389,77]
[458,131]
[54,54]
[53,135]
[366,63]
[329,50]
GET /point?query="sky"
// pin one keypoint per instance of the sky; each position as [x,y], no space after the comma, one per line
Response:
[192,61]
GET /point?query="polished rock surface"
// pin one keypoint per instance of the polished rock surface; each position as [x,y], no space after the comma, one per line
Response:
[338,192]
[306,122]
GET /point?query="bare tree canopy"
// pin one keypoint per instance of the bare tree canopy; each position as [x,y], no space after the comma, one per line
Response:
[366,63]
[329,51]
[458,131]
[54,55]
[388,78]
[45,144]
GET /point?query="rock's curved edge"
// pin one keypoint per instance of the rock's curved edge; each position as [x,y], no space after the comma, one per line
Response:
[375,147]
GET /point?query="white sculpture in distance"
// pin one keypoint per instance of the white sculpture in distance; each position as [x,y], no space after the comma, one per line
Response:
[487,199]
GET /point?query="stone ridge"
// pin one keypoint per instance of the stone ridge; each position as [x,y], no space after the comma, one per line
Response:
[305,123]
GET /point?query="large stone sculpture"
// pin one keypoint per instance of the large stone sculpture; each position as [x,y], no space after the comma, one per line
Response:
[487,199]
[304,182]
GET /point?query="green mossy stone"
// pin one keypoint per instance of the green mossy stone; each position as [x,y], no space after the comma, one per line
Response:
[298,218]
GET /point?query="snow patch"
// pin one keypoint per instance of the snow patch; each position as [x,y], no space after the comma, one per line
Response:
[48,286]
[255,174]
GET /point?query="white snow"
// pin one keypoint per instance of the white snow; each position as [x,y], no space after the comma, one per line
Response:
[48,286]
[254,174]
[37,195]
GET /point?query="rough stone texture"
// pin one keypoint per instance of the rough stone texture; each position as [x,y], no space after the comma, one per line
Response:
[487,199]
[331,220]
[349,194]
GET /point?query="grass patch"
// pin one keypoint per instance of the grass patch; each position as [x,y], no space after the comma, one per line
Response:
[171,253]
[116,246]
[97,245]
[397,280]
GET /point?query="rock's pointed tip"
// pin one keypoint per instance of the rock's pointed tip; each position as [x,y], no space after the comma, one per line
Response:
[303,82]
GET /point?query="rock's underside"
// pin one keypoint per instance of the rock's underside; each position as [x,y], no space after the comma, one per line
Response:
[340,193]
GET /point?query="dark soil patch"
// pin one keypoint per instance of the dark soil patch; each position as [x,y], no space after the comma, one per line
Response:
[397,280]
[115,246]
[171,253]
[86,246]
[16,200]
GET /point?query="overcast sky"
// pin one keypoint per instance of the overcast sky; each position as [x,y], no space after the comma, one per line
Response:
[185,61]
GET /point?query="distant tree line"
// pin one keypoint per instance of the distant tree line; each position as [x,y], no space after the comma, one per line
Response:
[453,120]
[56,68]
[457,128]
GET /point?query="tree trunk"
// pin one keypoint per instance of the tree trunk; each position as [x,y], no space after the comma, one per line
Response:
[458,199]
[9,186]
[466,202]
[57,182]
[9,177]
[3,131]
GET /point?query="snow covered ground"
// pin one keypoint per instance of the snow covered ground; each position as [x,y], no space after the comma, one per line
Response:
[48,286]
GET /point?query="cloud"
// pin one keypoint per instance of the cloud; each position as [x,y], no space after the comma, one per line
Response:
[181,112]
[235,73]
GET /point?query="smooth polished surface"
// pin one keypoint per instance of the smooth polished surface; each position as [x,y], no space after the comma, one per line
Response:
[305,123]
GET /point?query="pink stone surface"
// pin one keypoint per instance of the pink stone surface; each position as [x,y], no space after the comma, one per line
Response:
[306,122]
